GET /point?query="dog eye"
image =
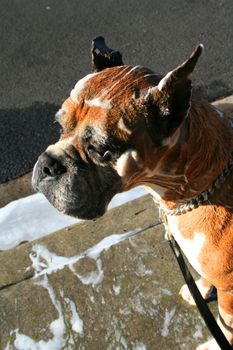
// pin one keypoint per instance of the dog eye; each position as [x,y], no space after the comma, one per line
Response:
[102,155]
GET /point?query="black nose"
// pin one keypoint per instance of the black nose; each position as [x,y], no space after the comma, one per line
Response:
[51,166]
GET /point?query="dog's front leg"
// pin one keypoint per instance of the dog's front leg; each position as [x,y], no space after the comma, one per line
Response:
[225,320]
[204,286]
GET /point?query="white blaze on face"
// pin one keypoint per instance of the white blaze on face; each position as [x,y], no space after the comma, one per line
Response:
[98,102]
[80,86]
[59,147]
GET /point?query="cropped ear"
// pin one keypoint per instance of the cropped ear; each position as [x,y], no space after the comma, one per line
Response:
[104,57]
[169,102]
[182,71]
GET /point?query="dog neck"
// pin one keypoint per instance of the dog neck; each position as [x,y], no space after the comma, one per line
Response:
[194,157]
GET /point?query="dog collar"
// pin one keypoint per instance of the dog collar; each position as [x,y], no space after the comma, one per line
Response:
[195,202]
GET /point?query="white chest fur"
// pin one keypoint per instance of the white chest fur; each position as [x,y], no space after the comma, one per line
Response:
[191,247]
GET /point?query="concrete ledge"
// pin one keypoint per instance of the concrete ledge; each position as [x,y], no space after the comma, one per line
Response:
[97,286]
[15,189]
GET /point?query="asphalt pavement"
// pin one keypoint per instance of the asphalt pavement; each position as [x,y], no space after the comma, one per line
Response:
[45,49]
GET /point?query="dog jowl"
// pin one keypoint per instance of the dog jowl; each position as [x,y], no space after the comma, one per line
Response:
[125,126]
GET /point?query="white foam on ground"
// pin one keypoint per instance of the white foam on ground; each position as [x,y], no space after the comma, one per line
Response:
[32,217]
[139,346]
[46,262]
[167,321]
[57,327]
[116,289]
[76,322]
[198,333]
[94,277]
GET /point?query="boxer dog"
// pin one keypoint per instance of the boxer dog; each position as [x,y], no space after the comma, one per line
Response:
[125,126]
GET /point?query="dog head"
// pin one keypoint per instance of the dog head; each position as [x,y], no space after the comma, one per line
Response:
[116,126]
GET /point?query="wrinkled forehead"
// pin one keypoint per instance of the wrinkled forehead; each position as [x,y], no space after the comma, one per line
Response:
[101,101]
[113,86]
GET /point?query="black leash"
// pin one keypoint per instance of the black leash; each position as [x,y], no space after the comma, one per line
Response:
[200,302]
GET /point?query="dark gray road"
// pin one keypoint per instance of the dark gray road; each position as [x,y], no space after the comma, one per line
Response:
[45,45]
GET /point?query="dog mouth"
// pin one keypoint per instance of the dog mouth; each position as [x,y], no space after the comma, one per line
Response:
[75,205]
[83,195]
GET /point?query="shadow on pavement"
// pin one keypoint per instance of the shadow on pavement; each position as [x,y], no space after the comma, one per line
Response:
[24,134]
